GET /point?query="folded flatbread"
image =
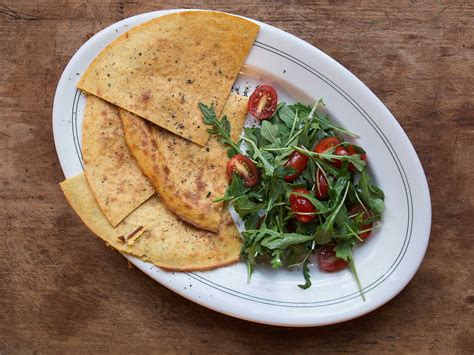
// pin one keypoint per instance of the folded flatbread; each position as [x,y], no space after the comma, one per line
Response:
[154,234]
[114,177]
[186,176]
[161,69]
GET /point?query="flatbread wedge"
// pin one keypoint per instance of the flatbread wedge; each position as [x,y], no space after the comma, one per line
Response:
[114,177]
[156,235]
[185,175]
[161,69]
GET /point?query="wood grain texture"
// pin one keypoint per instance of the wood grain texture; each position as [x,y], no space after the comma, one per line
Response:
[62,290]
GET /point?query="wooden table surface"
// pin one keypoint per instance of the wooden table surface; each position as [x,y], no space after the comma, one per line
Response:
[62,290]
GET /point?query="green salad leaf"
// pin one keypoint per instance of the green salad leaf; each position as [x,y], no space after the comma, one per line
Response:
[272,233]
[221,128]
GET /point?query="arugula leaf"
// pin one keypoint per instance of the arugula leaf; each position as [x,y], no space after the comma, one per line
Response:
[220,128]
[271,133]
[273,239]
[244,205]
[251,220]
[370,194]
[276,260]
[355,159]
[257,155]
[235,190]
[344,249]
[309,174]
[276,190]
[306,275]
[286,115]
[325,231]
[356,276]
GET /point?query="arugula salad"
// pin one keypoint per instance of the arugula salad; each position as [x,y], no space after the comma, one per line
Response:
[303,192]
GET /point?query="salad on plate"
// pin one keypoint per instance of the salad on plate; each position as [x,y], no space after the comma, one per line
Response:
[303,192]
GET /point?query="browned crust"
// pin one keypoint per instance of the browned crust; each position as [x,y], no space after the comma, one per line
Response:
[211,228]
[206,268]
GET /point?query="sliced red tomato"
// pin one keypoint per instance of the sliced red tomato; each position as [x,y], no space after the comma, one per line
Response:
[263,102]
[298,162]
[350,150]
[341,151]
[241,165]
[363,157]
[321,189]
[328,261]
[358,209]
[325,144]
[301,205]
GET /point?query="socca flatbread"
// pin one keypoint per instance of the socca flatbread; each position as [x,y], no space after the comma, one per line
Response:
[186,176]
[157,235]
[162,69]
[114,177]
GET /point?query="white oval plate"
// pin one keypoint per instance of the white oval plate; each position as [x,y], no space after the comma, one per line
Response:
[386,262]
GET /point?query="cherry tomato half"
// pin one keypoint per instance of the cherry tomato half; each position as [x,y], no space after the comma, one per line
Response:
[363,157]
[241,165]
[359,209]
[325,144]
[300,204]
[328,261]
[350,150]
[341,151]
[321,190]
[296,161]
[263,102]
